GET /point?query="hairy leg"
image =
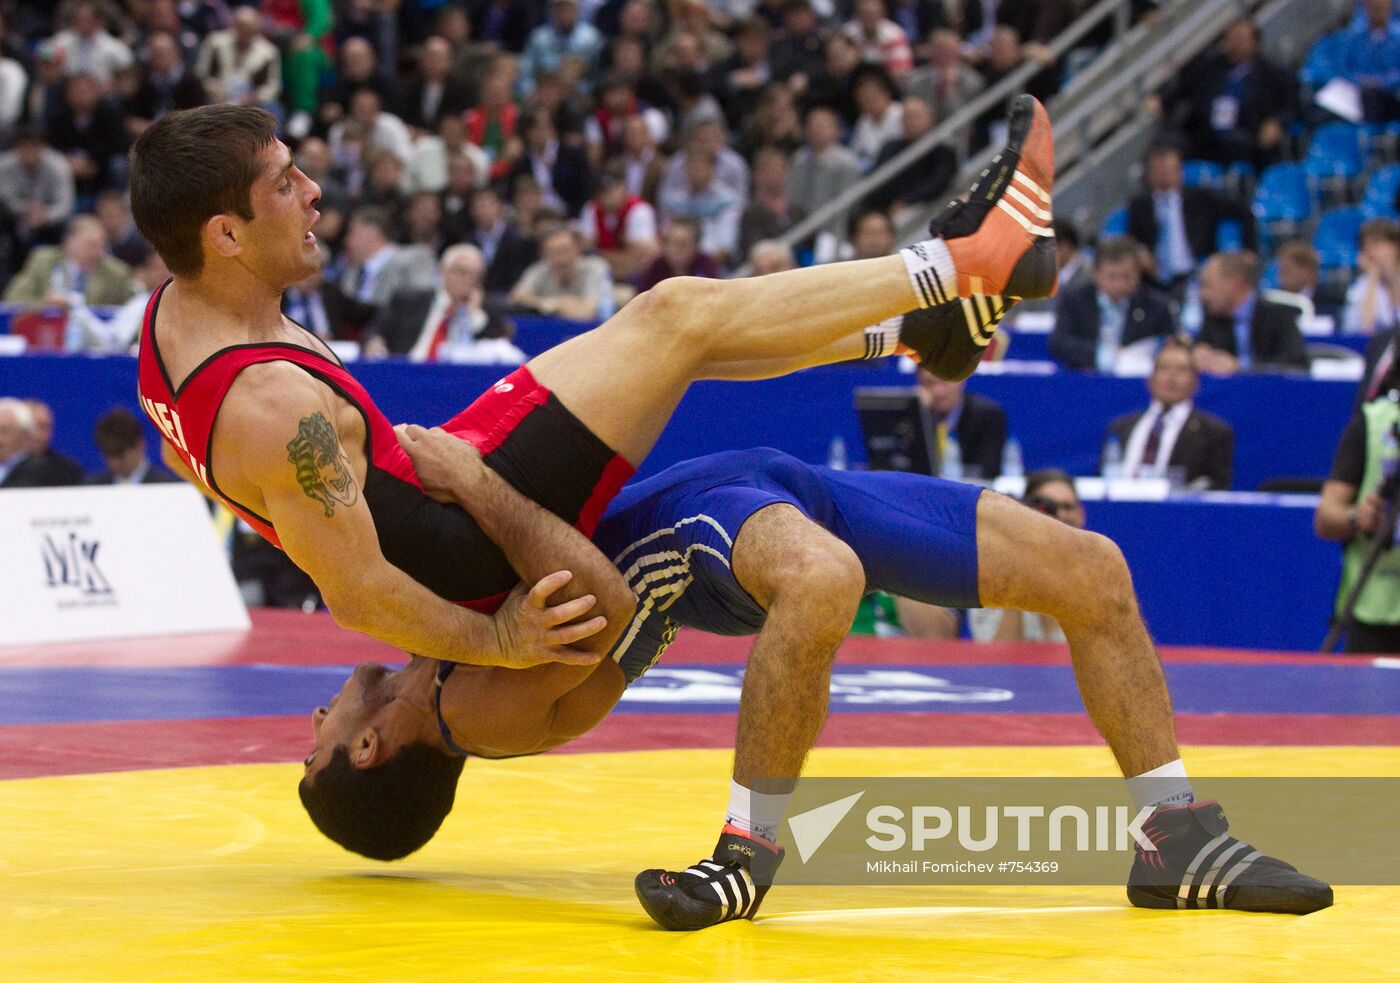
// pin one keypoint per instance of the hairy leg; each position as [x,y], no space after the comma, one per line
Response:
[1030,562]
[810,583]
[625,378]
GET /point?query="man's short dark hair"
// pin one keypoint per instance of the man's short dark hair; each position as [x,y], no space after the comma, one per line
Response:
[686,222]
[191,165]
[375,217]
[1163,149]
[117,432]
[858,218]
[1038,479]
[1301,252]
[1115,249]
[1239,263]
[1386,229]
[388,811]
[1066,232]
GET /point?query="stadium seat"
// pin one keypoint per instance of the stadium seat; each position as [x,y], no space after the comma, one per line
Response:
[1239,179]
[1379,199]
[1281,199]
[1324,61]
[1269,278]
[1335,238]
[1229,236]
[1116,224]
[1202,172]
[1334,158]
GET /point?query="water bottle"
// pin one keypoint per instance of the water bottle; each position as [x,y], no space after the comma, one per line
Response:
[836,454]
[1013,465]
[1112,459]
[1192,313]
[952,464]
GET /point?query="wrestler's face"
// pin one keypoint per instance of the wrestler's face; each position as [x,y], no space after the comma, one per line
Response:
[348,714]
[278,245]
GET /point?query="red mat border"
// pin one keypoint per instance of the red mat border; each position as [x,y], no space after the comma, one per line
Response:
[34,750]
[292,638]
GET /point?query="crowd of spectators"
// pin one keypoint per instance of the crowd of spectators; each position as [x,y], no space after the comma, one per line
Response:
[666,136]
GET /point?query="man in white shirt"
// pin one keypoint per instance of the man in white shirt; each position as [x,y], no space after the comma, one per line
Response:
[88,49]
[1172,438]
[450,324]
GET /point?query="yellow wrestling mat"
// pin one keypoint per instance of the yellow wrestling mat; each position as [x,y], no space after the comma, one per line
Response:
[216,874]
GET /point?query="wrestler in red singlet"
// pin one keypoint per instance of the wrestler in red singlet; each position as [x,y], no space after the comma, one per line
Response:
[522,430]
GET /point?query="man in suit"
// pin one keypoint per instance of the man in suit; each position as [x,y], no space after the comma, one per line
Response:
[166,84]
[1300,274]
[377,267]
[1233,104]
[1096,320]
[53,274]
[1242,331]
[20,465]
[928,178]
[1180,224]
[436,92]
[445,324]
[314,305]
[561,169]
[977,423]
[91,132]
[508,252]
[122,443]
[1172,433]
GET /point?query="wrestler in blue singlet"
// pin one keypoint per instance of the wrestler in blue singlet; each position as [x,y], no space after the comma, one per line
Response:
[671,536]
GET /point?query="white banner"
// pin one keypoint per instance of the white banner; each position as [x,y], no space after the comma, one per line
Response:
[111,562]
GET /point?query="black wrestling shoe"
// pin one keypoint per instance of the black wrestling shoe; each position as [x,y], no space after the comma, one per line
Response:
[1009,247]
[729,885]
[1198,865]
[951,339]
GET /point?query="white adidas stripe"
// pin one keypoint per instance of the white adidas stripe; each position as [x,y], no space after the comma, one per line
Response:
[1195,864]
[1229,878]
[647,585]
[1035,210]
[701,517]
[1025,223]
[1031,186]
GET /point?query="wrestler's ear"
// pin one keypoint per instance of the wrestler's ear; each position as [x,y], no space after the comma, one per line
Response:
[222,235]
[367,749]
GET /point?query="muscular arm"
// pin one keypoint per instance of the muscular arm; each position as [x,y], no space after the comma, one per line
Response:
[508,711]
[308,490]
[533,539]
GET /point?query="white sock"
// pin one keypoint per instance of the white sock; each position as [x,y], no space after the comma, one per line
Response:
[881,339]
[756,813]
[1165,785]
[931,272]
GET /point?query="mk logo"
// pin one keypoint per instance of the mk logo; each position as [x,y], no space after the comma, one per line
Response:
[72,562]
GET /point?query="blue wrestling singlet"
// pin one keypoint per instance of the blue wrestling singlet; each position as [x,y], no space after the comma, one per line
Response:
[671,535]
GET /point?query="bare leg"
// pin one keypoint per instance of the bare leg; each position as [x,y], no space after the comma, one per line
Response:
[624,378]
[1030,562]
[810,583]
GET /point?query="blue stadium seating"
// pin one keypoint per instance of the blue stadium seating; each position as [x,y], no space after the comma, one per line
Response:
[1269,278]
[1282,195]
[1202,172]
[1229,236]
[1324,61]
[1335,238]
[1116,224]
[1379,199]
[1334,152]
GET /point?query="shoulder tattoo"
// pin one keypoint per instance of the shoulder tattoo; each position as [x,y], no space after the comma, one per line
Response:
[323,470]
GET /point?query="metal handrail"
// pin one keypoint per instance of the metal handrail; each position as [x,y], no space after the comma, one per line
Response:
[947,130]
